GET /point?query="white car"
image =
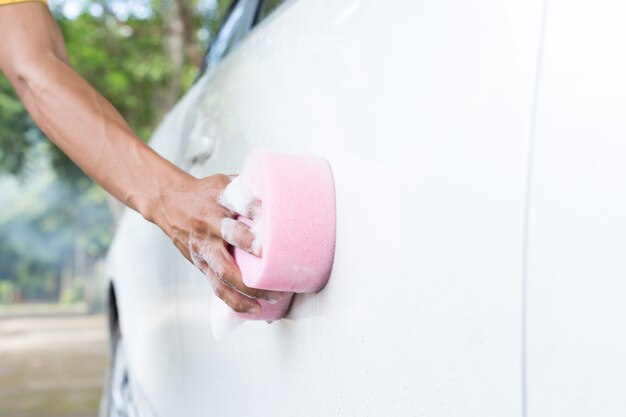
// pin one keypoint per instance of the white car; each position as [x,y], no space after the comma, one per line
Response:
[479,156]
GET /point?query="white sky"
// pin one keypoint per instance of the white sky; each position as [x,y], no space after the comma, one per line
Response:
[123,9]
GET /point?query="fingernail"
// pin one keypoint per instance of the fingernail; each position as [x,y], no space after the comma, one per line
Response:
[273,298]
[254,310]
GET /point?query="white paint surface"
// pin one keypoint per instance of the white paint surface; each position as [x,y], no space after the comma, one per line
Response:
[423,110]
[577,273]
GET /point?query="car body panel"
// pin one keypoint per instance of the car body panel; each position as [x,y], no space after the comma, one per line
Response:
[577,235]
[424,113]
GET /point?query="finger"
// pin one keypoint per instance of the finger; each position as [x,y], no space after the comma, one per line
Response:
[227,271]
[239,303]
[236,301]
[207,221]
[239,234]
[183,249]
[239,199]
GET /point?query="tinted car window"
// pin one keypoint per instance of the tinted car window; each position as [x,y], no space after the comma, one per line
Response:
[269,6]
[236,26]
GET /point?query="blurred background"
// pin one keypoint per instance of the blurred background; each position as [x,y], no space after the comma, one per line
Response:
[55,223]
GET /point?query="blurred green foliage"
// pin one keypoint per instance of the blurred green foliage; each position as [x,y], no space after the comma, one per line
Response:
[47,227]
[15,124]
[73,293]
[7,291]
[125,60]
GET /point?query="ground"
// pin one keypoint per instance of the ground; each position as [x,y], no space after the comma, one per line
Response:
[52,366]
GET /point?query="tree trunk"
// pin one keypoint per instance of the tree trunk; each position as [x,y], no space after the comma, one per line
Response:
[189,13]
[175,49]
[179,45]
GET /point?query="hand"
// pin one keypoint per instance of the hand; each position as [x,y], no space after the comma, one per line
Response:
[200,219]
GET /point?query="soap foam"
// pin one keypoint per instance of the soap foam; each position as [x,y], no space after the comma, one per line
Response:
[203,258]
[227,230]
[237,197]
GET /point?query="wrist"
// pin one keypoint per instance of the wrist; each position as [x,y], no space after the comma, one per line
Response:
[159,206]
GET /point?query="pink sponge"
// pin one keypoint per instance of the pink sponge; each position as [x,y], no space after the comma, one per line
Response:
[296,226]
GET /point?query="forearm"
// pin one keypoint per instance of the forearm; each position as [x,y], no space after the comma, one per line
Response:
[94,135]
[77,118]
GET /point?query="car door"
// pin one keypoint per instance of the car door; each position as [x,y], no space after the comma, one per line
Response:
[577,236]
[423,110]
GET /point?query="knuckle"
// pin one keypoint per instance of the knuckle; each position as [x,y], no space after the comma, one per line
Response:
[239,307]
[219,271]
[192,246]
[198,223]
[221,179]
[180,245]
[213,222]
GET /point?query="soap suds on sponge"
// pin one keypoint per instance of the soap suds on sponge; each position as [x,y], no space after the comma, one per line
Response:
[237,197]
[228,227]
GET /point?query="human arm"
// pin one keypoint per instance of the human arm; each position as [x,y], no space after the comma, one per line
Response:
[85,126]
